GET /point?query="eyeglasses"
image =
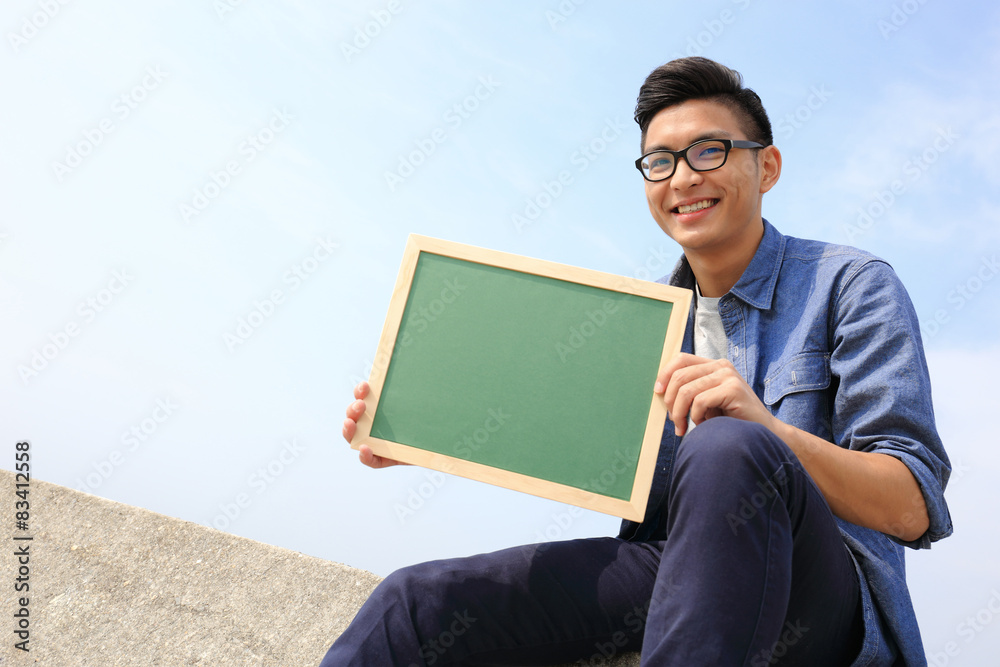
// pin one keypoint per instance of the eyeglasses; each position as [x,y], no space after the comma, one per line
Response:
[704,155]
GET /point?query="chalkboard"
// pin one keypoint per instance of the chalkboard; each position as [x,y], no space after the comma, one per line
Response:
[528,374]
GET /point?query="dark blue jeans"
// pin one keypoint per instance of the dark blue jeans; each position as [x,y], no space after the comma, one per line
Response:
[753,572]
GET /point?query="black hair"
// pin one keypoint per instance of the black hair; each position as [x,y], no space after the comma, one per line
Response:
[698,79]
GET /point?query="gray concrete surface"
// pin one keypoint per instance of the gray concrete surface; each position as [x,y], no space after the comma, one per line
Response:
[113,584]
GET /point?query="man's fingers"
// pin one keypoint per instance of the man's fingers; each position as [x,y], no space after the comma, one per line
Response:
[707,404]
[367,456]
[682,360]
[691,386]
[373,460]
[685,389]
[685,383]
[683,368]
[679,373]
[350,428]
[696,388]
[355,410]
[361,390]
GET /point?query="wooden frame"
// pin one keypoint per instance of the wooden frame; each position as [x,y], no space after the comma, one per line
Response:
[552,283]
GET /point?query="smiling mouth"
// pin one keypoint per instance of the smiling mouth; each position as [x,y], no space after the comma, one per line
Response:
[697,206]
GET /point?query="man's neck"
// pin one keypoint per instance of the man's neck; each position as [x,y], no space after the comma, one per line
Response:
[717,270]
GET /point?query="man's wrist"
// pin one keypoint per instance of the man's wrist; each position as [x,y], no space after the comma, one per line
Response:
[803,444]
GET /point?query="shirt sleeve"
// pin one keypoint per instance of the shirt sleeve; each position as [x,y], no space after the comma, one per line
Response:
[883,401]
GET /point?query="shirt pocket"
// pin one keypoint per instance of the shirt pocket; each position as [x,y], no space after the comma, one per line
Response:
[796,391]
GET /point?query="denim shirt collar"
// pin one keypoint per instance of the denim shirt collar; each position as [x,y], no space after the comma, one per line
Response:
[756,286]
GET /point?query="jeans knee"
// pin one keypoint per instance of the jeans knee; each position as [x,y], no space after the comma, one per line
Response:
[404,587]
[725,444]
[425,588]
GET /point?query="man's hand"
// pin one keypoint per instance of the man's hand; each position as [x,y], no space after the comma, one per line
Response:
[354,412]
[705,388]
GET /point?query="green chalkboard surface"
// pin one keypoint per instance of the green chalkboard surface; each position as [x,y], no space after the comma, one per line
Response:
[542,378]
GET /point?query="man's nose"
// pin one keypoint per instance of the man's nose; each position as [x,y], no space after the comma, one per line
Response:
[684,176]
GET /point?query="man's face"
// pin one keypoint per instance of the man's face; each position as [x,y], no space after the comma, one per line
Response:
[732,193]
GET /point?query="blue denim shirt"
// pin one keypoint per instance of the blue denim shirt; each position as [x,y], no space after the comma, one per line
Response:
[827,337]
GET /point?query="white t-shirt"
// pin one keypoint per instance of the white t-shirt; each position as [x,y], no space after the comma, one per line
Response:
[709,333]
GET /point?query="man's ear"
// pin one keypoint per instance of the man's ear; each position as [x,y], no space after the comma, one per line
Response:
[770,167]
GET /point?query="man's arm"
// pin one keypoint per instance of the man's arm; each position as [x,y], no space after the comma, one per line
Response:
[869,489]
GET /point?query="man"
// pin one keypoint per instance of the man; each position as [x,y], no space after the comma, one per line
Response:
[800,455]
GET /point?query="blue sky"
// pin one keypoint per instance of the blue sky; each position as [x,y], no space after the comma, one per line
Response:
[168,168]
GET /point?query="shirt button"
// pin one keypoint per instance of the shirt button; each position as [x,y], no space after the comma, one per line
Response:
[736,350]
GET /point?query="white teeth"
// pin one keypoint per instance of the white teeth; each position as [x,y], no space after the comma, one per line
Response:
[697,206]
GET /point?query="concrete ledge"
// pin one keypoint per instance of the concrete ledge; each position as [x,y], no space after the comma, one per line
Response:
[113,584]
